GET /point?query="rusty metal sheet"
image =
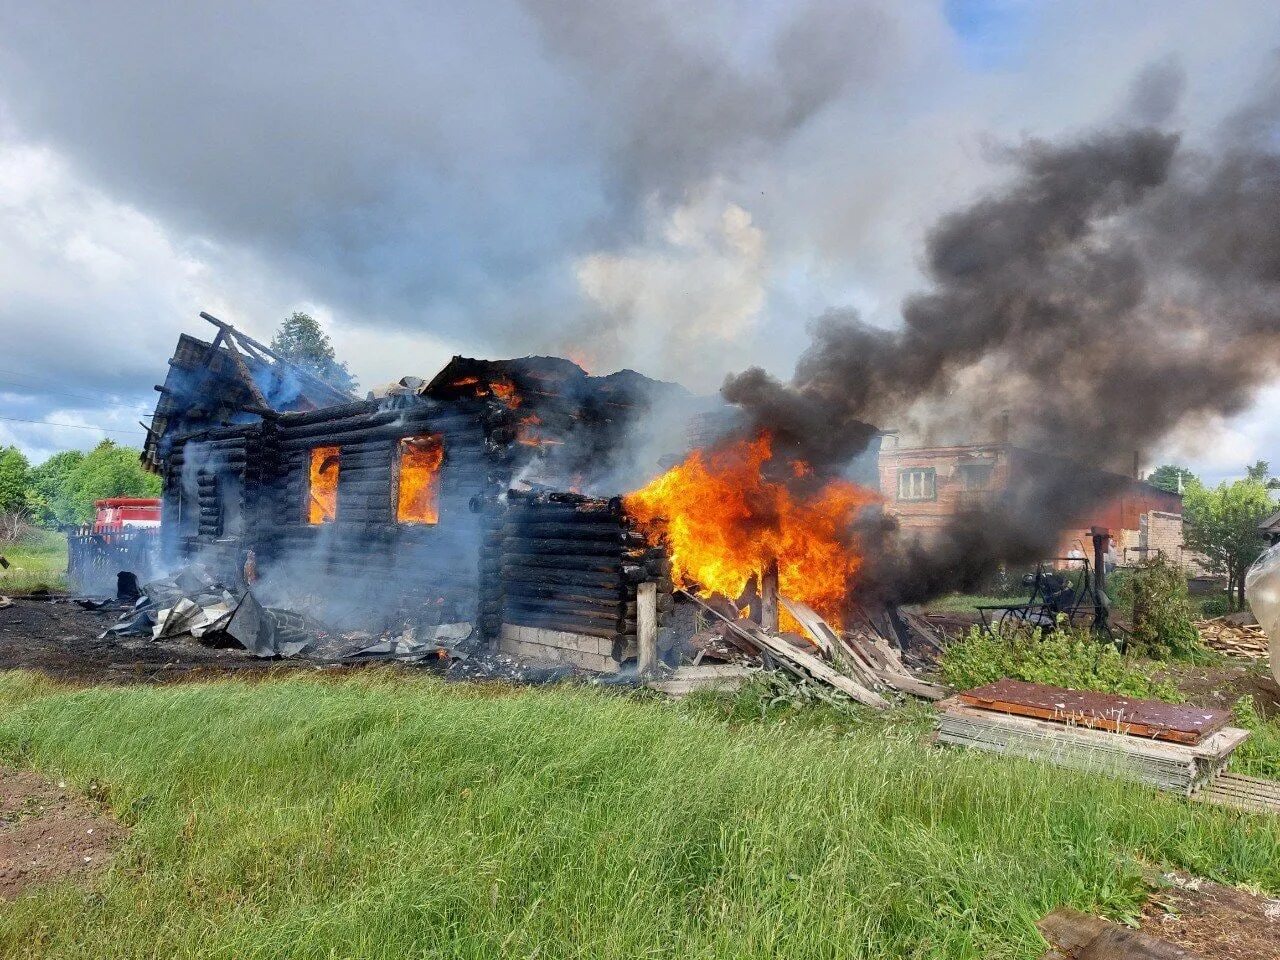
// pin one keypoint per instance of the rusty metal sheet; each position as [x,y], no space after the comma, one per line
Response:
[1103,711]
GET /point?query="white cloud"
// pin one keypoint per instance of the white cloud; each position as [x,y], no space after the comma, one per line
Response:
[687,295]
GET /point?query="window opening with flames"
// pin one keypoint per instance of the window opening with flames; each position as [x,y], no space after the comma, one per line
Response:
[322,487]
[418,493]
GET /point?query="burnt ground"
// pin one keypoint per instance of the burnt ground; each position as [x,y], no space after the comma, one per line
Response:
[60,639]
[48,833]
[1223,685]
[1213,921]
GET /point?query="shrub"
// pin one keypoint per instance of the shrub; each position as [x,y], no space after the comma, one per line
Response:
[1162,626]
[1214,607]
[1063,657]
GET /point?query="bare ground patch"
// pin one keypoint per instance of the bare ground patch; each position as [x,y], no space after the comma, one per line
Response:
[48,833]
[1214,921]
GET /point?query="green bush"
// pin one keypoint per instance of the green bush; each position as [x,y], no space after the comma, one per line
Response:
[1162,626]
[1063,657]
[1214,607]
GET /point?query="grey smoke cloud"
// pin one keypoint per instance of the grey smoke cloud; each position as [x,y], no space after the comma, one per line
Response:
[1121,283]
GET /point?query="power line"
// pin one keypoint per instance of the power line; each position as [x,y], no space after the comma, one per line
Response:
[77,426]
[17,380]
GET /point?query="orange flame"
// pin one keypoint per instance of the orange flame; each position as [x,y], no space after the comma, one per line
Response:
[505,391]
[418,498]
[322,492]
[723,518]
[527,435]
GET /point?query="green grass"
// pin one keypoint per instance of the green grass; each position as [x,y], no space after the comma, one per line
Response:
[400,817]
[965,602]
[38,561]
[1259,756]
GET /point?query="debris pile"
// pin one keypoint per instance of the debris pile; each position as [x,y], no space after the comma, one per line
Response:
[191,603]
[1247,641]
[860,662]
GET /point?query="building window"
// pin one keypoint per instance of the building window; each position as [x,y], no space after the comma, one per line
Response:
[418,483]
[918,483]
[976,476]
[322,485]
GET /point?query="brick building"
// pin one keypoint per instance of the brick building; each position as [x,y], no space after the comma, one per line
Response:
[925,486]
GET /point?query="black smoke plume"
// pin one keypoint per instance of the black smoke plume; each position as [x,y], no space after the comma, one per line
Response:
[1115,286]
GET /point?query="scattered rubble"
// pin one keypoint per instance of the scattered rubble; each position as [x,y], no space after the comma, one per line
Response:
[861,663]
[192,603]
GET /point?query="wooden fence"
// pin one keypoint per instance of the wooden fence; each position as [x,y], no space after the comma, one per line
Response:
[94,559]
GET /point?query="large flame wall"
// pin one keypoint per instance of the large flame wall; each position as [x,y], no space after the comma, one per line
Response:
[723,518]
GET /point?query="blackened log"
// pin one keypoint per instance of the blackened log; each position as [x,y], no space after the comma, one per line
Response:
[563,624]
[566,531]
[585,578]
[378,426]
[568,513]
[568,548]
[554,561]
[568,608]
[521,588]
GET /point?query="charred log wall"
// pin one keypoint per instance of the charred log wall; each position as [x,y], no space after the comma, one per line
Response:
[206,505]
[247,488]
[552,561]
[571,563]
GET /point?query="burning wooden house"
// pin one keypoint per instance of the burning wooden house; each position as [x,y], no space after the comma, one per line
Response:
[492,496]
[446,501]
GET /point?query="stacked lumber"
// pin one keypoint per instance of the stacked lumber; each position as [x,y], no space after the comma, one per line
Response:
[852,663]
[1179,767]
[1170,747]
[1247,641]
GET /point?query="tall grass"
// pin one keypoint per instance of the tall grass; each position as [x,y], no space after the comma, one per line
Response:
[384,817]
[38,560]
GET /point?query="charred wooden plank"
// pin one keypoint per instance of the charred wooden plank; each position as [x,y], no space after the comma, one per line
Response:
[568,548]
[552,576]
[533,592]
[565,624]
[566,531]
[554,561]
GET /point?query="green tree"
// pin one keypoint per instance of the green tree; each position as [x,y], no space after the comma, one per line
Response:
[108,470]
[1221,523]
[1173,478]
[1261,471]
[14,470]
[48,493]
[302,340]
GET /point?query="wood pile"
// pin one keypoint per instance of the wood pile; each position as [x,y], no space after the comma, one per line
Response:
[1179,767]
[1171,747]
[860,663]
[1246,641]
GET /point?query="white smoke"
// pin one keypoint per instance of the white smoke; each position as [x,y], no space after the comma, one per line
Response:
[683,296]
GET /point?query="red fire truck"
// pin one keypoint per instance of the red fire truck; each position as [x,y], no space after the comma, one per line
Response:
[121,513]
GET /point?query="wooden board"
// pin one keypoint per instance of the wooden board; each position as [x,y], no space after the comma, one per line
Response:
[1103,711]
